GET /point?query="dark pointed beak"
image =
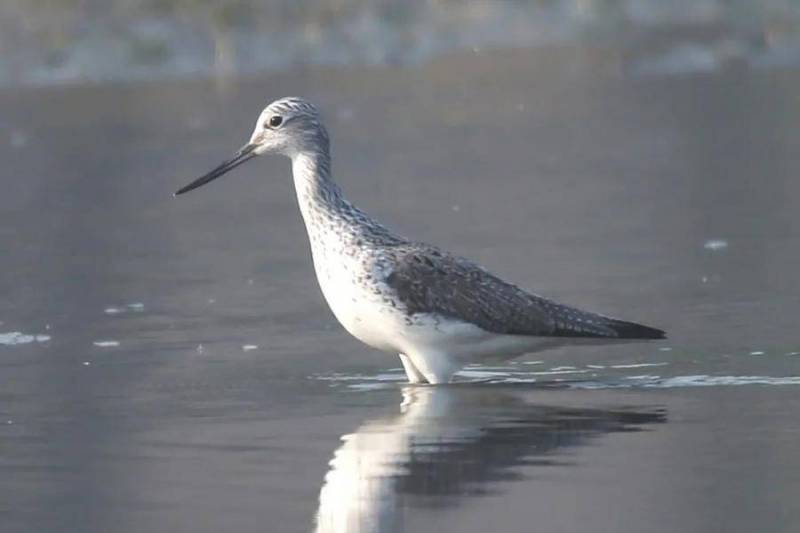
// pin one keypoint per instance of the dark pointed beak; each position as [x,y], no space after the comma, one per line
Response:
[245,154]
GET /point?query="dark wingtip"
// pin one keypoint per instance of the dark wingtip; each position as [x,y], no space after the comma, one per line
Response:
[632,330]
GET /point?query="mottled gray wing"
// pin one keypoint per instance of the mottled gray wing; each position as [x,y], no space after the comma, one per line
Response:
[430,281]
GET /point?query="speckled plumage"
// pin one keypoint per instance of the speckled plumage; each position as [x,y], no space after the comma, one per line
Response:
[437,310]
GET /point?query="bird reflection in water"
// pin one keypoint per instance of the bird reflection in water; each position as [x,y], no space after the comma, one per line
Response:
[448,444]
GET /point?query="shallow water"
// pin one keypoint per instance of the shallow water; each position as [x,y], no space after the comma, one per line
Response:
[169,364]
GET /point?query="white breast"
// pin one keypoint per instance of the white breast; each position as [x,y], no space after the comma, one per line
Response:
[362,312]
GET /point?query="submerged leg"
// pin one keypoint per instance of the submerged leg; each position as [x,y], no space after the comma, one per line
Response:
[436,367]
[414,375]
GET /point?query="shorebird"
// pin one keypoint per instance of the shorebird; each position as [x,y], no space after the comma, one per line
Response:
[438,311]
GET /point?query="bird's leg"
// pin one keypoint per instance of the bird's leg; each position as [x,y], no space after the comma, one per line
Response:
[414,375]
[436,367]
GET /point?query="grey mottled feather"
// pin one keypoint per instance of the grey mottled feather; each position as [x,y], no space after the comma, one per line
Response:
[428,280]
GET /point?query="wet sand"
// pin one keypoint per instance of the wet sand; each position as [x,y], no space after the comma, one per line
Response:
[187,375]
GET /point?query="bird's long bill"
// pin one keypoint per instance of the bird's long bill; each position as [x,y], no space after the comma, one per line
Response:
[245,154]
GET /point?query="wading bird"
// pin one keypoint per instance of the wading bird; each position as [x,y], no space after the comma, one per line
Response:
[438,311]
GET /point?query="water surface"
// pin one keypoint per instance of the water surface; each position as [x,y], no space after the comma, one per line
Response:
[169,364]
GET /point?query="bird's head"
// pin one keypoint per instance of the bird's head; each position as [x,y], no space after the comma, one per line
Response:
[287,126]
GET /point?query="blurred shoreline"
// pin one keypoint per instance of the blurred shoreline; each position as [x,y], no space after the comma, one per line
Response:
[71,42]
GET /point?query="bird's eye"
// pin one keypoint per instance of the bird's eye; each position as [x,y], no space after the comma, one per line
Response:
[275,121]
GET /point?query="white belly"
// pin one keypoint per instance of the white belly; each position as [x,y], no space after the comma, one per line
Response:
[467,343]
[369,318]
[437,345]
[364,314]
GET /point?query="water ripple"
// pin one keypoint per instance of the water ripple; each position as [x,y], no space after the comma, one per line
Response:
[489,375]
[700,380]
[13,338]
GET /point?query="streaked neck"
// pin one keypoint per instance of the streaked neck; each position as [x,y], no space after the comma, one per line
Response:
[316,190]
[324,207]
